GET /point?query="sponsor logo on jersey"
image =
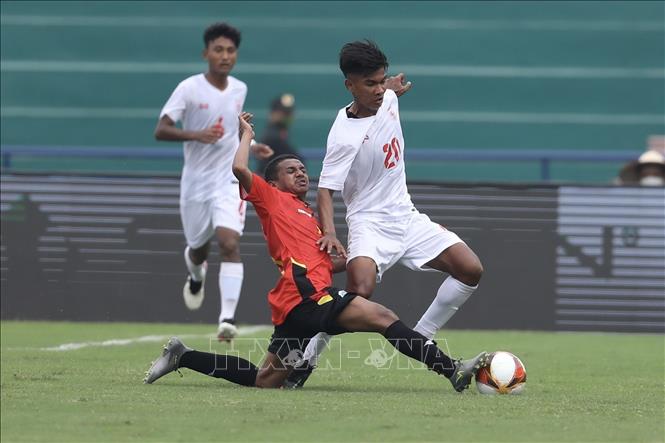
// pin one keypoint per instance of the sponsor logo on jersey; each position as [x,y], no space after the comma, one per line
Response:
[323,300]
[203,106]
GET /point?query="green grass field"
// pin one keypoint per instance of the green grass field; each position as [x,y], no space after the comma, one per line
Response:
[581,387]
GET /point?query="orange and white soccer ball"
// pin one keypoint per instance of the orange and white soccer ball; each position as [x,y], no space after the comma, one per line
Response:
[504,374]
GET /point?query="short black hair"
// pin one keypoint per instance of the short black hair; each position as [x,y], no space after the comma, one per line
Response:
[221,29]
[270,173]
[361,57]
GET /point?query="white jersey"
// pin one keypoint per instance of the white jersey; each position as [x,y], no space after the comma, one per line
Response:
[199,105]
[365,160]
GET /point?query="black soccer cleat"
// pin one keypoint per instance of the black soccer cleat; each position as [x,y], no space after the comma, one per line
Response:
[195,286]
[465,370]
[298,376]
[168,361]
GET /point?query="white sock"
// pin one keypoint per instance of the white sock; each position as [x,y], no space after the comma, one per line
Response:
[451,295]
[230,282]
[315,347]
[196,271]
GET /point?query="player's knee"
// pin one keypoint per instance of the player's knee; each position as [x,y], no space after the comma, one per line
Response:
[472,273]
[228,247]
[362,288]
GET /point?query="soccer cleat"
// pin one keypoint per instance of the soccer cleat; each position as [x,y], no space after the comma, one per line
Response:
[193,292]
[465,370]
[227,330]
[168,361]
[298,376]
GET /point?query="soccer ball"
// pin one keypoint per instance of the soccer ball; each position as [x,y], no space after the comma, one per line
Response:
[504,374]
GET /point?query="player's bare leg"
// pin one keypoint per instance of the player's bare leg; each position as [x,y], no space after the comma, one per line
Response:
[194,289]
[273,372]
[460,262]
[361,276]
[230,281]
[465,271]
[363,315]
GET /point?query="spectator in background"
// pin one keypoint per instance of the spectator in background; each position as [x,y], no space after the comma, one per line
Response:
[276,134]
[649,169]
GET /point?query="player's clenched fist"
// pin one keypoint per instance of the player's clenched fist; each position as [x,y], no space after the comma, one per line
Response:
[212,134]
[260,150]
[246,126]
[397,84]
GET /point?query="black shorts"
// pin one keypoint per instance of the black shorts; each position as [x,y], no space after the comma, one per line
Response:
[305,321]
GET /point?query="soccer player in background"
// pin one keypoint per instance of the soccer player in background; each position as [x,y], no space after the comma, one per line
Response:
[365,160]
[208,106]
[303,301]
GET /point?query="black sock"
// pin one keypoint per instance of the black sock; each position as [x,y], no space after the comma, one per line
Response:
[229,367]
[417,346]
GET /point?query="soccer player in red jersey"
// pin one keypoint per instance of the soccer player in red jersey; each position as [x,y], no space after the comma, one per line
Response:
[303,302]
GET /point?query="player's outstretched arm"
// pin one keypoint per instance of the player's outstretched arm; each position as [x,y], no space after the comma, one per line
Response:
[397,84]
[329,240]
[241,160]
[166,130]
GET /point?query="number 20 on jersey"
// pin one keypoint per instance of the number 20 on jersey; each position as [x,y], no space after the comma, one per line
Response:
[393,151]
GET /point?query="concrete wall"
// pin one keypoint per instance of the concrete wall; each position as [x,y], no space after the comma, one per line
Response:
[110,249]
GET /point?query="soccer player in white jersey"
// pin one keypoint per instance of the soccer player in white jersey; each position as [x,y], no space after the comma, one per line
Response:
[365,161]
[208,106]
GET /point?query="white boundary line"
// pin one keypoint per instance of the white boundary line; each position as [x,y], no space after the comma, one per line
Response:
[244,330]
[424,24]
[243,68]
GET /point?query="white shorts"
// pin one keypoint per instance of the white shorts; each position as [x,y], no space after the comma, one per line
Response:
[199,219]
[412,243]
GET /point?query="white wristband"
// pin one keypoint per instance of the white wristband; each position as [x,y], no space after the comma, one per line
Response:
[252,143]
